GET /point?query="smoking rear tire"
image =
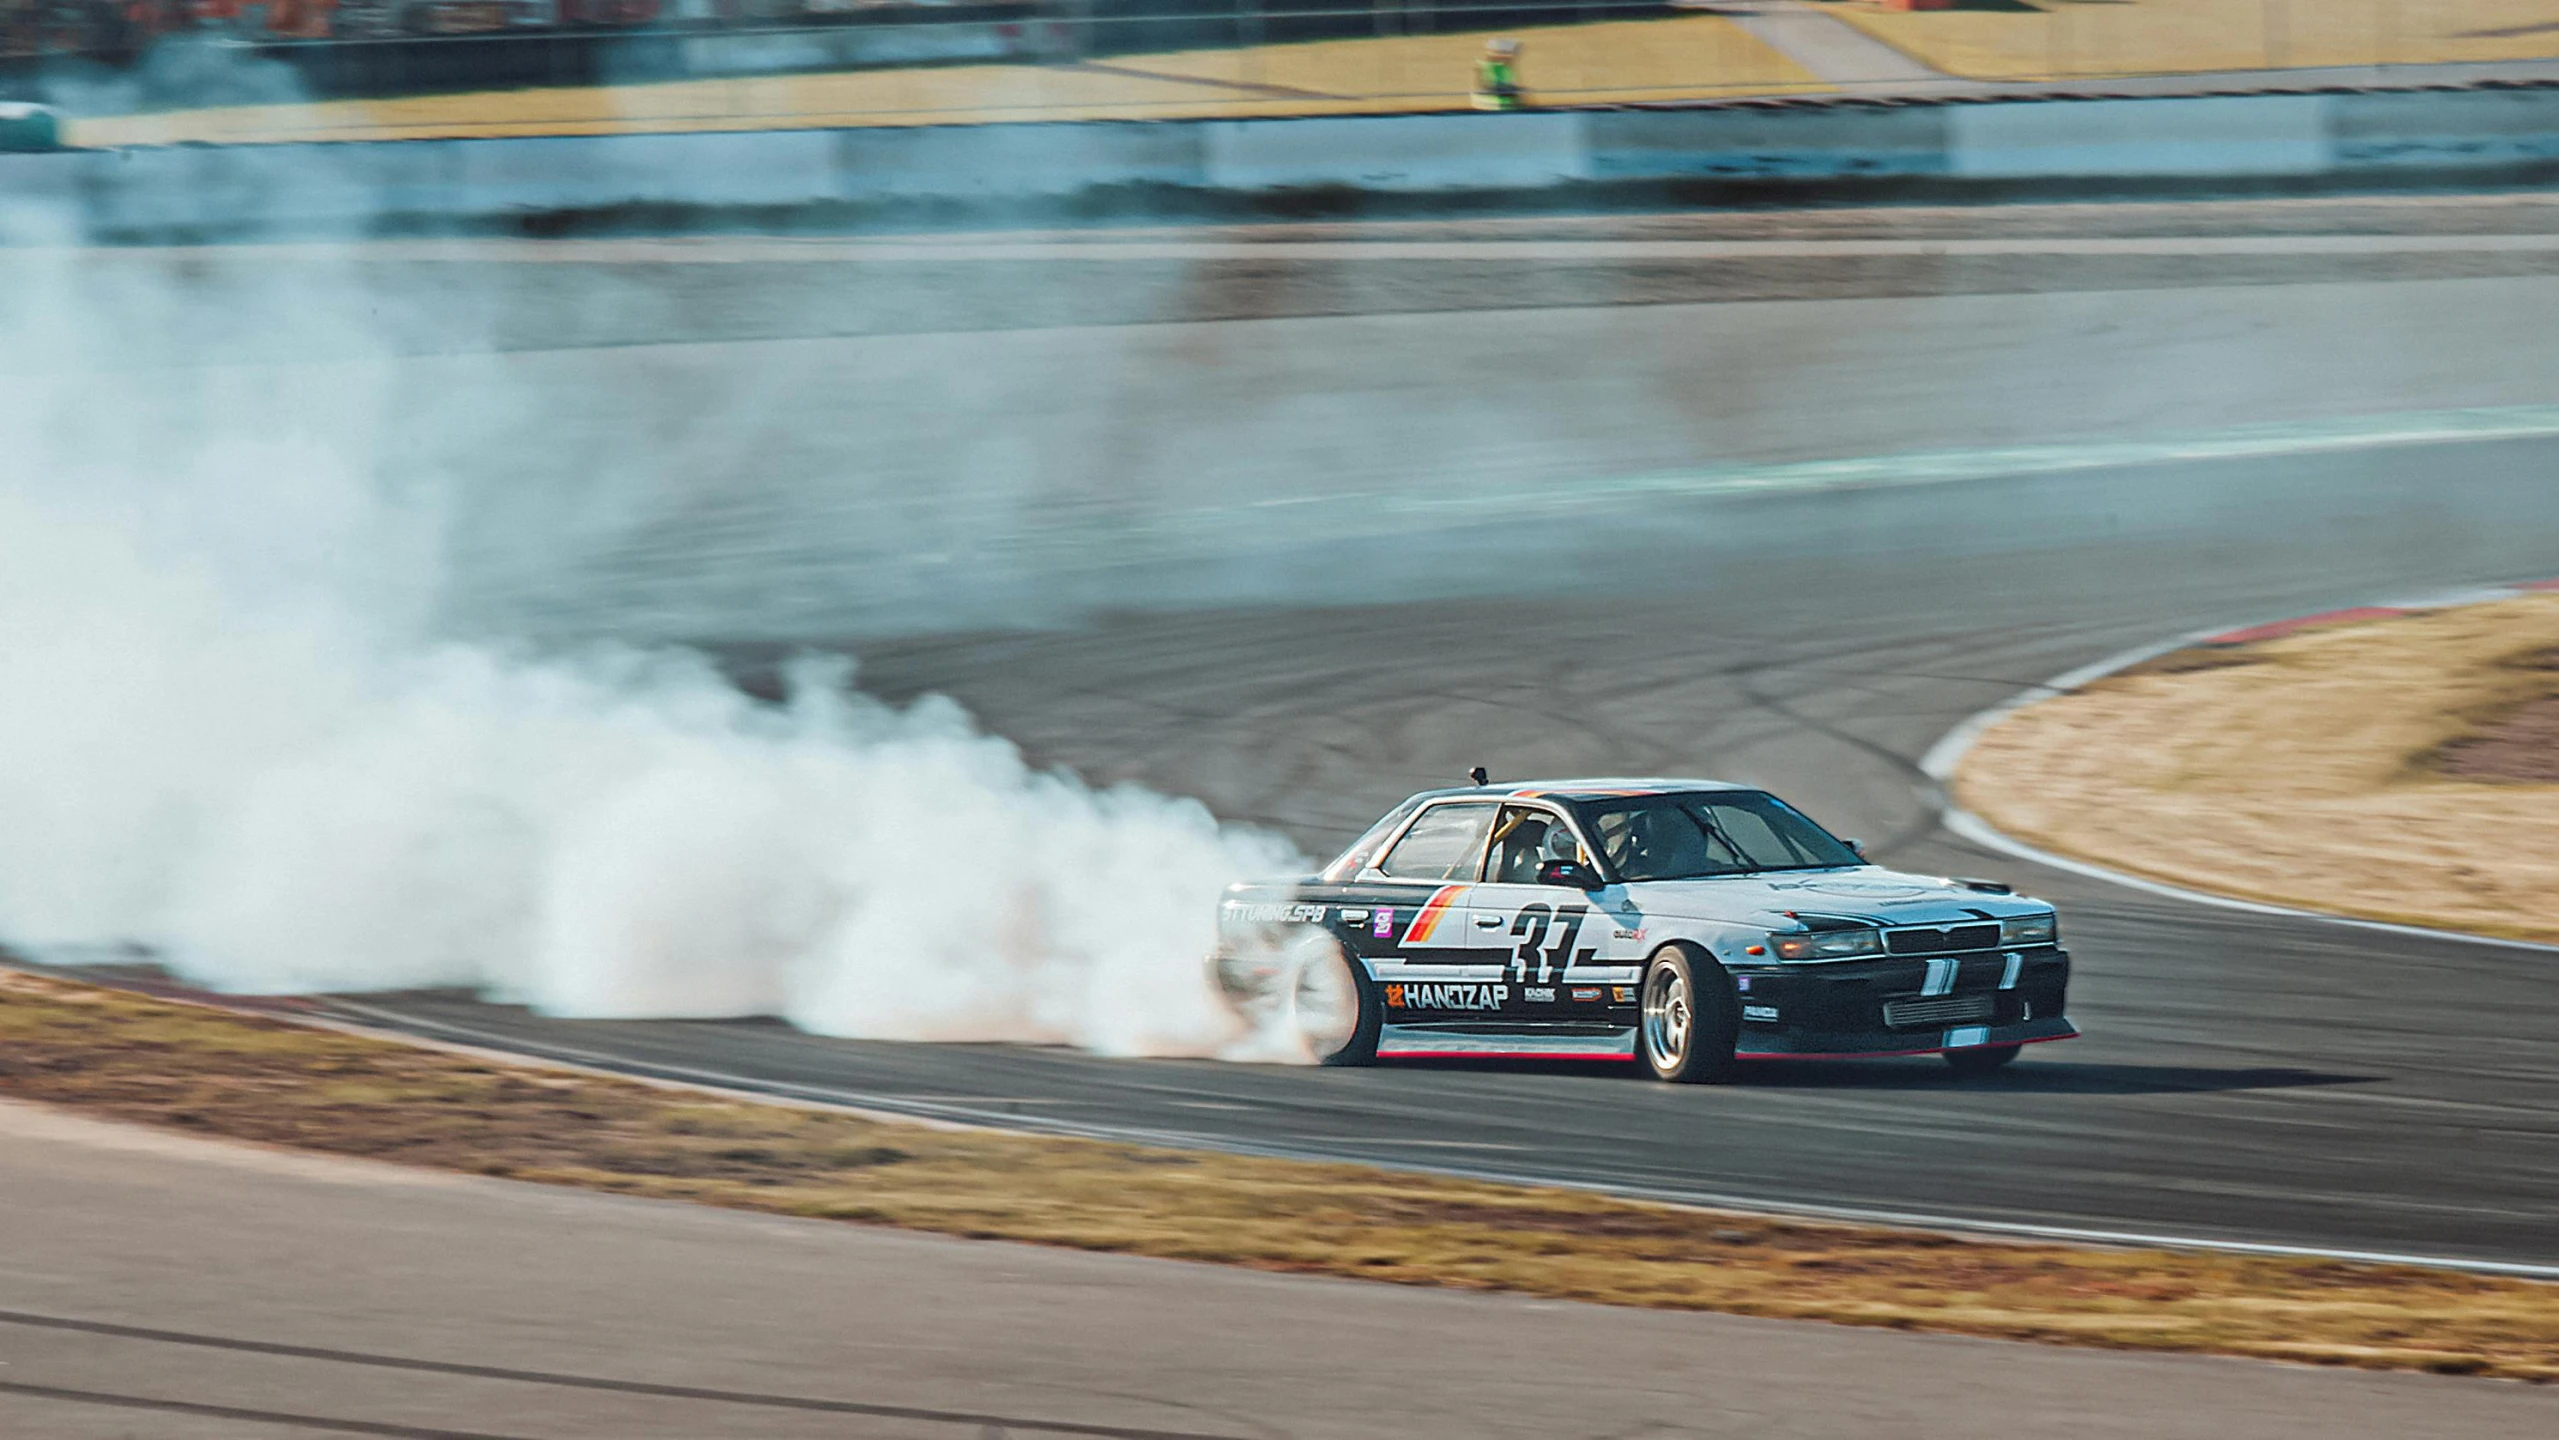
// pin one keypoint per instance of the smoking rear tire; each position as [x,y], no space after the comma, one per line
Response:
[1334,1010]
[1691,1020]
[1981,1059]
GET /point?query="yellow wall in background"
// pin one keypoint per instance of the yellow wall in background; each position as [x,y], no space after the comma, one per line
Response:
[2043,38]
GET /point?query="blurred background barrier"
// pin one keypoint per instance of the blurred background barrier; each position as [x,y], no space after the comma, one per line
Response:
[28,127]
[2342,134]
[164,71]
[393,47]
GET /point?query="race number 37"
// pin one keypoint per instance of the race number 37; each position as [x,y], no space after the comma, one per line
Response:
[1538,960]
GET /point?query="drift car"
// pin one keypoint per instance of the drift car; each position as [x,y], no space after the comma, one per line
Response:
[1685,924]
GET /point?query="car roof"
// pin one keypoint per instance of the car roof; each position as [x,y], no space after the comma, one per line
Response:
[1602,787]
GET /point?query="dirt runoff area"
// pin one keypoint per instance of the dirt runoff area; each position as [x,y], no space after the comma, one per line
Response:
[2401,768]
[250,1077]
[2035,39]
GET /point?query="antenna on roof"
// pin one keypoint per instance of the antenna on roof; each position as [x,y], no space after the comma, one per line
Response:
[1479,775]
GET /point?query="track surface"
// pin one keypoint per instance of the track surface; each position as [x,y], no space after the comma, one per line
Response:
[2244,1078]
[164,1287]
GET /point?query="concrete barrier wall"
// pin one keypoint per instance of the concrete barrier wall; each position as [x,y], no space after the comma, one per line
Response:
[2452,129]
[1768,143]
[2206,135]
[2231,136]
[782,52]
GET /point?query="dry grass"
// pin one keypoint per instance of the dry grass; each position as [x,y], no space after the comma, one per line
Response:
[2050,39]
[2354,768]
[246,1077]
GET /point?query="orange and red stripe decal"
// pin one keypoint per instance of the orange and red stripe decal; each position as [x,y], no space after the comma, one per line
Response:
[1427,919]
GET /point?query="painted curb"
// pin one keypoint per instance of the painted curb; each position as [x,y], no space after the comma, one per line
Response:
[1943,758]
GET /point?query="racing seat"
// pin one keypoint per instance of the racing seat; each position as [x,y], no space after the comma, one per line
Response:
[1530,842]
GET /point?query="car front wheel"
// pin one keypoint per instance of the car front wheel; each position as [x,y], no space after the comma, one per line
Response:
[1691,1019]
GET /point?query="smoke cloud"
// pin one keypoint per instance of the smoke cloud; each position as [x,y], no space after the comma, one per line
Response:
[233,730]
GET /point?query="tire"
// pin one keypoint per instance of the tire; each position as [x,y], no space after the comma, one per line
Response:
[1691,1019]
[1981,1059]
[1333,1009]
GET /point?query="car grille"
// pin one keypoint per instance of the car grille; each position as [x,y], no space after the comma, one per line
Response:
[1945,1010]
[1935,940]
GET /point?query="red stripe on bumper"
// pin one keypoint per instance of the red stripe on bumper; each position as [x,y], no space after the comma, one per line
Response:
[1500,1055]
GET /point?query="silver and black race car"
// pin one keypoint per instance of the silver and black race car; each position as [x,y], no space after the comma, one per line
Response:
[1685,924]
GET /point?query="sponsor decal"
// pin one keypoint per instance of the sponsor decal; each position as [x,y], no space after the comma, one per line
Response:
[1410,996]
[1588,994]
[1350,915]
[1622,933]
[1543,993]
[1243,914]
[1742,983]
[1384,924]
[1622,993]
[1759,1012]
[1426,921]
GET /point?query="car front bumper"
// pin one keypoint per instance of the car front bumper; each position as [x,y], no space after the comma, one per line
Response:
[1905,1005]
[1775,1043]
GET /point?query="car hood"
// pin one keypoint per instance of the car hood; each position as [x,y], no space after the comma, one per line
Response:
[1886,897]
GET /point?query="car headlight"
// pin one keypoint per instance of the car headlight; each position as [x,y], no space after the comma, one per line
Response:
[1828,944]
[2029,930]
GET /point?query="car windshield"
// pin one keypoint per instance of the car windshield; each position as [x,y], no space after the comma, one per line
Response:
[1726,832]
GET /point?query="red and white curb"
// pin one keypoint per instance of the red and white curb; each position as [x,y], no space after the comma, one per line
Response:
[1944,757]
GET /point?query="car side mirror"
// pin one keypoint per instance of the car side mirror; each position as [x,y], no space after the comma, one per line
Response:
[1855,847]
[1568,872]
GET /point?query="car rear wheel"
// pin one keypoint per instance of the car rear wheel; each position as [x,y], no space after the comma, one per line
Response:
[1981,1059]
[1333,1009]
[1691,1019]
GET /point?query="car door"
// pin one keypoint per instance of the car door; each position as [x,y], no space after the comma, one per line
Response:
[1415,892]
[1551,941]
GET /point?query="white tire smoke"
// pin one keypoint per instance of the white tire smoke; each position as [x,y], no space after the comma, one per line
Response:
[230,732]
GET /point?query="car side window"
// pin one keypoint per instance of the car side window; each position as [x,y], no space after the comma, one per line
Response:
[1445,843]
[1525,838]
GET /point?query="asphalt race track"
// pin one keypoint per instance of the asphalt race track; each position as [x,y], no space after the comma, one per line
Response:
[2243,1077]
